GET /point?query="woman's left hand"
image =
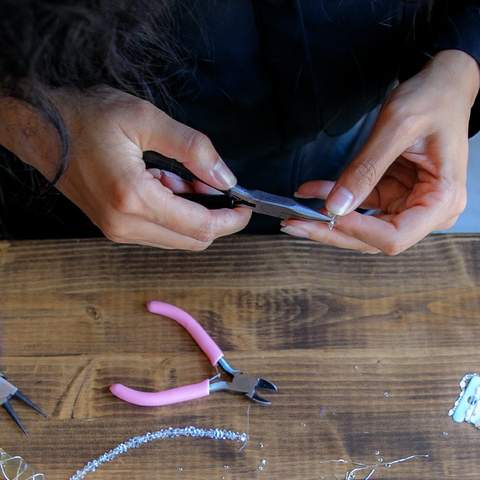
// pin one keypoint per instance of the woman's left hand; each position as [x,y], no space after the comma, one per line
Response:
[413,167]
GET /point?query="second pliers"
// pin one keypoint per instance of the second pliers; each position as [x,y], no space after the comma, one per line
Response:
[8,392]
[239,382]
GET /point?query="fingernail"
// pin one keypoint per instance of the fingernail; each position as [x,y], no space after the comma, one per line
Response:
[340,201]
[168,174]
[175,182]
[295,231]
[156,173]
[223,175]
[300,195]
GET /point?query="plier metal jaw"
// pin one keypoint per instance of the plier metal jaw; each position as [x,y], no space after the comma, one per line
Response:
[276,205]
[8,391]
[239,382]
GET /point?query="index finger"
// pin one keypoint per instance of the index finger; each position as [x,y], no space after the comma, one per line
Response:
[187,145]
[392,234]
[391,136]
[191,219]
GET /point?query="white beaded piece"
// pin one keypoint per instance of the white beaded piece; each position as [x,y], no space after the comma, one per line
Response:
[463,385]
[166,433]
[470,407]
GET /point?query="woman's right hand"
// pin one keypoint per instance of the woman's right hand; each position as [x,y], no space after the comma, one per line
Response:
[107,177]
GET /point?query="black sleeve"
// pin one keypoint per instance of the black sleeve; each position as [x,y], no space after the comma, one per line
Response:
[442,25]
[457,27]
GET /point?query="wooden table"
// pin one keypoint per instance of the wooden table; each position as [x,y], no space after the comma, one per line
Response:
[367,352]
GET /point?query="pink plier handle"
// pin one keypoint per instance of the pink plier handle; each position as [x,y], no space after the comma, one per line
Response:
[179,394]
[203,339]
[158,399]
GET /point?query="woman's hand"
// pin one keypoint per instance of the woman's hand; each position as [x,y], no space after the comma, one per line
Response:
[413,168]
[107,178]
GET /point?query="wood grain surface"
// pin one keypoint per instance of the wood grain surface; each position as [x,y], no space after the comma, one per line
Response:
[367,352]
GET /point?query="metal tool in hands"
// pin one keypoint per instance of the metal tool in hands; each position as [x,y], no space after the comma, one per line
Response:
[273,205]
[258,200]
[8,391]
[238,381]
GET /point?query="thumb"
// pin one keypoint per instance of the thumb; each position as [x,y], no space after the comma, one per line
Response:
[190,147]
[389,139]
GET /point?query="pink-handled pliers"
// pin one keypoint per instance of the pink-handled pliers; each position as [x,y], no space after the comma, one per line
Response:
[240,382]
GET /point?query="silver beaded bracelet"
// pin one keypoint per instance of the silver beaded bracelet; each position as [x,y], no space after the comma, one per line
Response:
[166,433]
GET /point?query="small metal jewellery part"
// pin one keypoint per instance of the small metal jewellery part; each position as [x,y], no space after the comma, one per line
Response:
[331,223]
[8,391]
[467,406]
[164,434]
[14,467]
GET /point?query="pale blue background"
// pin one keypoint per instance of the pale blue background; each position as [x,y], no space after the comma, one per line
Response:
[469,221]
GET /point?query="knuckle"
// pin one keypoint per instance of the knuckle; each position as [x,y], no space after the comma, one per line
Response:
[206,233]
[125,199]
[197,144]
[319,235]
[199,246]
[455,197]
[394,248]
[396,110]
[450,223]
[408,125]
[461,201]
[401,118]
[366,171]
[115,231]
[141,109]
[233,221]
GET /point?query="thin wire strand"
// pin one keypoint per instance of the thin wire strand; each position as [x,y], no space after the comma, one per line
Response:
[360,467]
[352,474]
[247,434]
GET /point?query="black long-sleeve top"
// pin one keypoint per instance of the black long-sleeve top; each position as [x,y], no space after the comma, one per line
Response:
[260,77]
[270,74]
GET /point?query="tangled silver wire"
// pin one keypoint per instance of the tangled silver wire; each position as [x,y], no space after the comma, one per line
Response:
[15,468]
